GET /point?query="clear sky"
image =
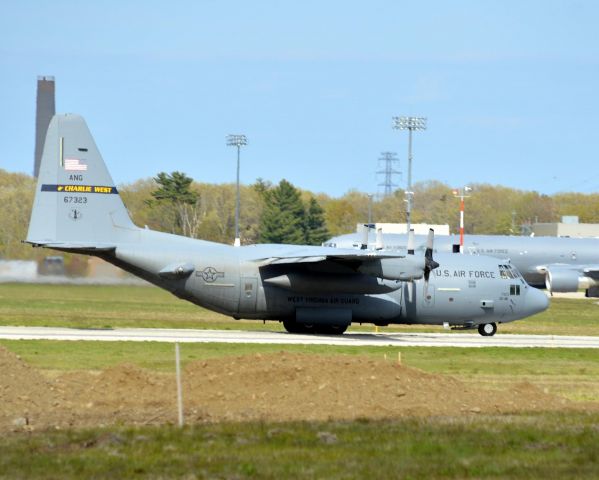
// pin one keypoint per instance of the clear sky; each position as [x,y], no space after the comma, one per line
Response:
[509,88]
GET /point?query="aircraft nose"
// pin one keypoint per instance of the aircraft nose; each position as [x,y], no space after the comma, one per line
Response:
[536,301]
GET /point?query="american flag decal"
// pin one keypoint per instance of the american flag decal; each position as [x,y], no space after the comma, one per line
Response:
[74,164]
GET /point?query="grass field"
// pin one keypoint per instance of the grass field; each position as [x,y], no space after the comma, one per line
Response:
[545,446]
[572,373]
[539,445]
[91,306]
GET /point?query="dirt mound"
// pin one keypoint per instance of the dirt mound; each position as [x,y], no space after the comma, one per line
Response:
[275,387]
[287,386]
[120,394]
[25,394]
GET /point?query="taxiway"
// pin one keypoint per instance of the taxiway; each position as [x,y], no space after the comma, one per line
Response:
[282,338]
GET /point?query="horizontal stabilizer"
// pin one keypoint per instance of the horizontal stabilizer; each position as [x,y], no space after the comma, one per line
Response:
[97,247]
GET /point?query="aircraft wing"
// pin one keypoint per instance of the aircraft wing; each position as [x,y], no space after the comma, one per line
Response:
[300,254]
[324,266]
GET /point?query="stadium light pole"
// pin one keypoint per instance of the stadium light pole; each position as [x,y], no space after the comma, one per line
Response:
[462,193]
[237,141]
[410,124]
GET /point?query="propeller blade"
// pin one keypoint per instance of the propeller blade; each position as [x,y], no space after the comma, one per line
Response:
[411,242]
[379,239]
[365,231]
[429,243]
[410,290]
[429,263]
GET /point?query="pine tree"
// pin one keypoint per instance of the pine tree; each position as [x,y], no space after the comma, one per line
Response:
[175,190]
[316,228]
[283,218]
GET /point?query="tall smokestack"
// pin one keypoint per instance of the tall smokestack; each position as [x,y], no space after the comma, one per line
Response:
[45,110]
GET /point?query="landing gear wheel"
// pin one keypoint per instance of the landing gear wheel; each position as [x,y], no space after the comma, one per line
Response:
[332,329]
[292,326]
[487,329]
[295,327]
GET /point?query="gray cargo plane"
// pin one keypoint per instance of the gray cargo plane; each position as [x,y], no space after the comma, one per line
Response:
[78,209]
[556,263]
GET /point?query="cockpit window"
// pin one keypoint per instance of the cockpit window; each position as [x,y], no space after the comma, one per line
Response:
[504,272]
[507,272]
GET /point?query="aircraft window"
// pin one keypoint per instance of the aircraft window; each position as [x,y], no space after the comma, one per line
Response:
[514,273]
[510,273]
[514,289]
[505,272]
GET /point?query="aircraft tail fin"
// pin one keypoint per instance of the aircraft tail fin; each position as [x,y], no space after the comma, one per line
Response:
[77,205]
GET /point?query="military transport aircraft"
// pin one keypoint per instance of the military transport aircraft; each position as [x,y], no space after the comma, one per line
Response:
[78,209]
[557,263]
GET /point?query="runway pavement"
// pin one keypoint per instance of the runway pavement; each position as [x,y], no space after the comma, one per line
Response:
[283,338]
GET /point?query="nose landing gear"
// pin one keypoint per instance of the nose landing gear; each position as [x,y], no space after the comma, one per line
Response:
[487,329]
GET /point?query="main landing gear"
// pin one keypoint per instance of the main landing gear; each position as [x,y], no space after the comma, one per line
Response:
[487,329]
[294,327]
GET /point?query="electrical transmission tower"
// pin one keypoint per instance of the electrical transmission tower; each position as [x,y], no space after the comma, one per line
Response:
[388,160]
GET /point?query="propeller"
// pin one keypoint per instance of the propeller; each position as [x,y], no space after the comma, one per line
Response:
[429,263]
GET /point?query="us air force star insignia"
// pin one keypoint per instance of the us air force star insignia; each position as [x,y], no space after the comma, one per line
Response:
[210,274]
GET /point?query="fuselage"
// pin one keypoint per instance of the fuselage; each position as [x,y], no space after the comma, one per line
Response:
[231,280]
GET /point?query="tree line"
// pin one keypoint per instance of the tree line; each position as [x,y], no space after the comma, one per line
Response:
[283,213]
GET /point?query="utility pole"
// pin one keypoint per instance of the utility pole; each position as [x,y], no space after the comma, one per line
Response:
[462,193]
[237,141]
[410,124]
